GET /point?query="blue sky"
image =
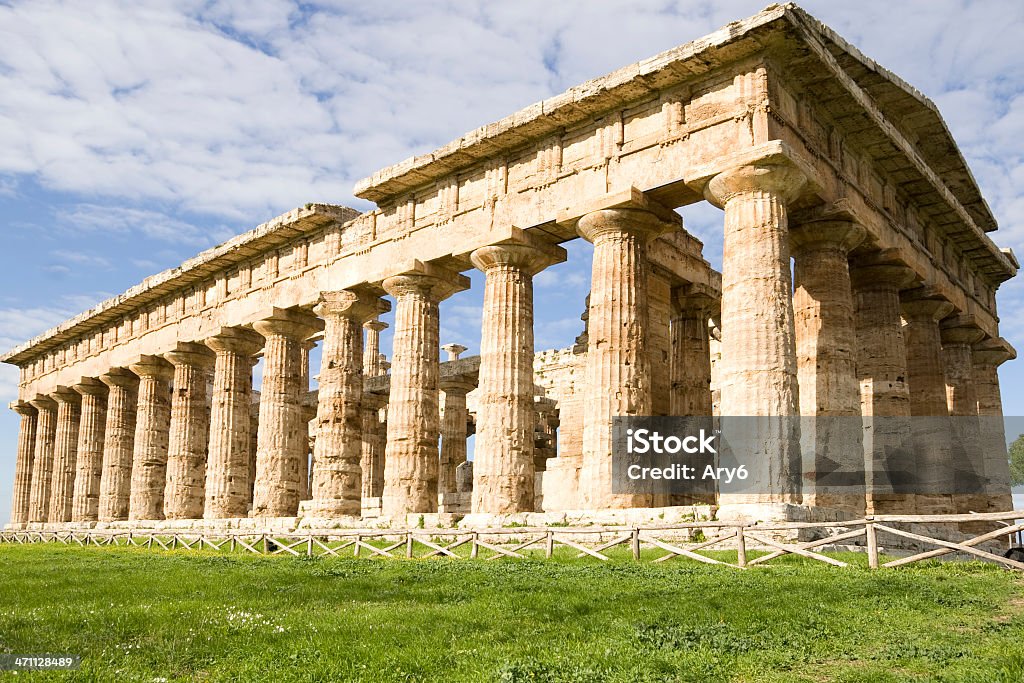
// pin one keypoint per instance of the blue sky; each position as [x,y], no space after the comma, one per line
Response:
[135,134]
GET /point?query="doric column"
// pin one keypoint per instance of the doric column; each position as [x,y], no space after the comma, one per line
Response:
[153,421]
[503,469]
[23,468]
[371,352]
[988,356]
[881,359]
[371,461]
[411,456]
[85,504]
[690,359]
[758,369]
[283,442]
[65,451]
[227,468]
[118,444]
[337,488]
[831,443]
[453,431]
[185,489]
[42,459]
[959,333]
[926,378]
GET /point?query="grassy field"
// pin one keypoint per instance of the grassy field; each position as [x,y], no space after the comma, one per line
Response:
[149,615]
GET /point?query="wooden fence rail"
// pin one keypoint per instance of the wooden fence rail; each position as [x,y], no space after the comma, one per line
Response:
[593,541]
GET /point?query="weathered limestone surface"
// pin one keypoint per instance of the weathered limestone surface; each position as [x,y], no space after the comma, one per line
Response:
[118,444]
[65,451]
[958,335]
[228,485]
[411,455]
[85,505]
[185,490]
[454,420]
[503,467]
[881,360]
[283,440]
[372,359]
[152,425]
[759,369]
[337,487]
[988,356]
[371,461]
[42,461]
[23,467]
[833,471]
[690,353]
[618,380]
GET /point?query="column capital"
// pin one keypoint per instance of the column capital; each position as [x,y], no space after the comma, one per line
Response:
[523,251]
[696,297]
[23,408]
[191,353]
[993,351]
[453,350]
[842,234]
[62,394]
[90,386]
[429,281]
[119,377]
[152,366]
[960,330]
[288,322]
[42,402]
[238,340]
[346,303]
[781,179]
[457,384]
[881,276]
[375,325]
[603,223]
[924,304]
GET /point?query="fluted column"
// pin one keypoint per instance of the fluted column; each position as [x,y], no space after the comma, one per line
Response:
[411,454]
[337,487]
[958,334]
[185,488]
[926,378]
[503,468]
[152,425]
[23,468]
[85,504]
[988,356]
[227,468]
[371,461]
[881,360]
[371,352]
[118,444]
[453,431]
[42,460]
[65,452]
[831,444]
[283,441]
[759,369]
[690,359]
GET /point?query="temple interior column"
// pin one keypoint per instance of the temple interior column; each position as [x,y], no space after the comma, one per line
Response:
[85,504]
[185,490]
[152,426]
[454,423]
[118,444]
[228,487]
[988,356]
[758,373]
[42,461]
[831,441]
[337,488]
[958,334]
[372,357]
[23,467]
[371,461]
[926,378]
[503,467]
[881,359]
[411,454]
[65,451]
[283,441]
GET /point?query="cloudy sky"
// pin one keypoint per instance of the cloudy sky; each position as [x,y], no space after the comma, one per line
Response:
[135,134]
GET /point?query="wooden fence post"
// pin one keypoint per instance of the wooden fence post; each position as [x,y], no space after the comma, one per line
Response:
[636,543]
[309,546]
[355,551]
[408,544]
[869,529]
[549,544]
[741,547]
[474,550]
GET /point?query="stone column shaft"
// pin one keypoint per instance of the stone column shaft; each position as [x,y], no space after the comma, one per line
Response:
[185,489]
[988,355]
[690,360]
[283,441]
[503,469]
[118,444]
[371,352]
[153,419]
[42,460]
[758,369]
[453,433]
[23,468]
[227,469]
[958,334]
[372,458]
[65,452]
[85,504]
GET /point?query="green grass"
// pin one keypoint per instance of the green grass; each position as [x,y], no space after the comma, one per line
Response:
[142,615]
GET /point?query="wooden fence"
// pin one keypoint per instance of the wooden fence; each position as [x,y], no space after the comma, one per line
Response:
[510,542]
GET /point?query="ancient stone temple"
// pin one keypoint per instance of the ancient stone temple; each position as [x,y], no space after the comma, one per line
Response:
[858,281]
